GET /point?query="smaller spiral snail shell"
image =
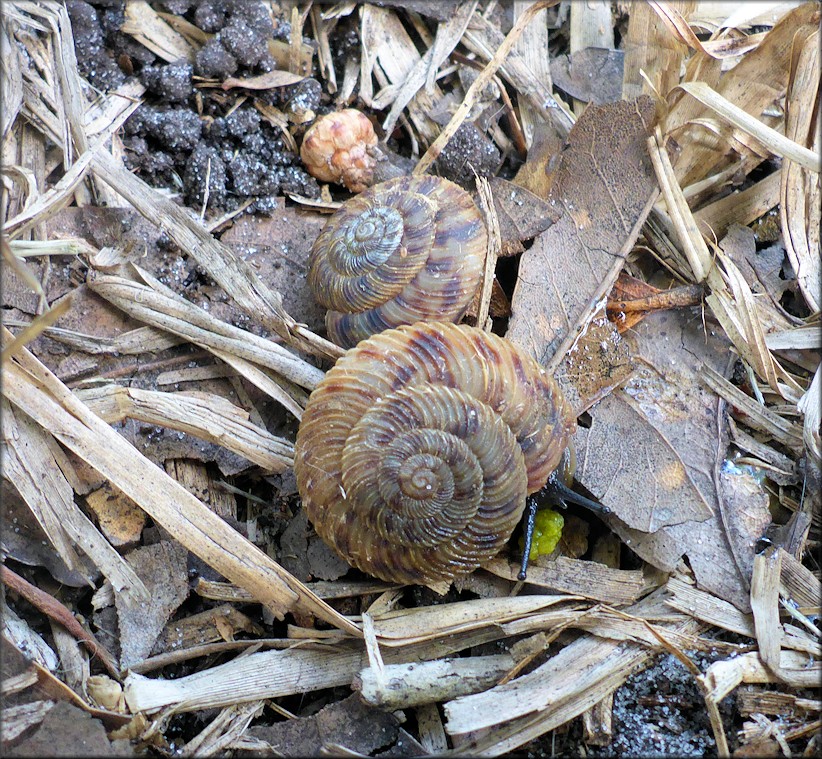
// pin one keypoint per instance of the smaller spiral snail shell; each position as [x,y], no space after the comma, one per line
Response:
[416,452]
[407,250]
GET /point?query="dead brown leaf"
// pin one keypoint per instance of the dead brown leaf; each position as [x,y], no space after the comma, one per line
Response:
[522,215]
[120,519]
[725,515]
[306,556]
[635,469]
[600,360]
[349,723]
[603,185]
[163,569]
[277,247]
[593,74]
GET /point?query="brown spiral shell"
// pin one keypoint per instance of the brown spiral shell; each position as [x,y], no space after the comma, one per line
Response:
[416,452]
[406,250]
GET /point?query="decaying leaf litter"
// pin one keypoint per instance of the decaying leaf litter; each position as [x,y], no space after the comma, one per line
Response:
[654,236]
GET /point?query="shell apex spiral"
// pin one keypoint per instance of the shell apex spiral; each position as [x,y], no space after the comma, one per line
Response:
[406,250]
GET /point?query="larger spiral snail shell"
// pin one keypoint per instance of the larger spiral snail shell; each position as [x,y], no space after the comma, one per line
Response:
[416,452]
[406,250]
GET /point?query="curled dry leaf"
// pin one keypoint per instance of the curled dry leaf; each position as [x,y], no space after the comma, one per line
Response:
[267,81]
[631,299]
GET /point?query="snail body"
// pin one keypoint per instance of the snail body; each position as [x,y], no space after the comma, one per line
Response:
[406,250]
[416,452]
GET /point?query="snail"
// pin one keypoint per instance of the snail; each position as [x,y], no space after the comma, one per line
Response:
[417,450]
[406,250]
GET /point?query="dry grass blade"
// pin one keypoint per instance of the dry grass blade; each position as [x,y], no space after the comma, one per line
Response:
[131,343]
[730,298]
[739,207]
[491,254]
[11,78]
[483,38]
[800,191]
[281,391]
[532,46]
[204,415]
[226,728]
[29,463]
[389,53]
[577,677]
[756,415]
[809,405]
[724,106]
[799,338]
[68,76]
[405,626]
[266,674]
[235,276]
[716,48]
[581,578]
[777,143]
[653,56]
[478,85]
[149,28]
[798,584]
[69,247]
[708,608]
[695,249]
[448,36]
[735,308]
[21,269]
[50,202]
[796,669]
[270,674]
[32,387]
[765,606]
[174,314]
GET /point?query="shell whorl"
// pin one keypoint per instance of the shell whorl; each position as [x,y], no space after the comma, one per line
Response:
[407,250]
[416,452]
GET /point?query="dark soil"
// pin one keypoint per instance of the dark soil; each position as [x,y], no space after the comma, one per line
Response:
[192,137]
[191,140]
